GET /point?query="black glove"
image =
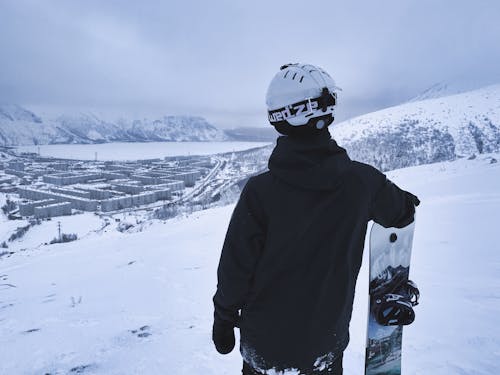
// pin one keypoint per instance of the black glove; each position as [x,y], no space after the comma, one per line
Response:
[408,217]
[223,336]
[414,199]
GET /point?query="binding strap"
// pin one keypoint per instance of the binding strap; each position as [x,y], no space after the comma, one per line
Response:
[396,308]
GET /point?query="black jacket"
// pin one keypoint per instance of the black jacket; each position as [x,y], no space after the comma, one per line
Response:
[293,250]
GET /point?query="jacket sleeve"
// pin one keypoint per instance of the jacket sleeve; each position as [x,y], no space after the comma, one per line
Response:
[391,206]
[241,250]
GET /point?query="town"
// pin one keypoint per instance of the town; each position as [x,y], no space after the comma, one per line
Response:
[46,187]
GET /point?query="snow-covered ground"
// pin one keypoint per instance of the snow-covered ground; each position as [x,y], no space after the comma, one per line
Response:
[137,150]
[140,303]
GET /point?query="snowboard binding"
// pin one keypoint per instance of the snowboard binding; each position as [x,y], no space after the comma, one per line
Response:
[395,308]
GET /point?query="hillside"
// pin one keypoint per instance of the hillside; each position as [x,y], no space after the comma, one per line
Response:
[425,131]
[140,302]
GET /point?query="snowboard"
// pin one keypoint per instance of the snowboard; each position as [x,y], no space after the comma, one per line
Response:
[390,254]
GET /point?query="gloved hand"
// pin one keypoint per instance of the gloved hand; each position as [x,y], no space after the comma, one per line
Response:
[408,216]
[223,336]
[414,199]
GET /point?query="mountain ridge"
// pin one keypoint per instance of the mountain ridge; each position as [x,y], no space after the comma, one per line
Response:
[423,132]
[19,126]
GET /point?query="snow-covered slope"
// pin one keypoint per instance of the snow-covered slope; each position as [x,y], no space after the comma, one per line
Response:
[425,131]
[140,303]
[172,128]
[87,128]
[19,126]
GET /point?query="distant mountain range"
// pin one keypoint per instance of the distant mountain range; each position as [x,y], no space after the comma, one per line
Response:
[429,130]
[19,126]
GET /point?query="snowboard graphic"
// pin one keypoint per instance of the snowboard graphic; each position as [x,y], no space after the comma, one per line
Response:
[390,253]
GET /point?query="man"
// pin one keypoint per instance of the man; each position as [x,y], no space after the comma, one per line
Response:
[294,245]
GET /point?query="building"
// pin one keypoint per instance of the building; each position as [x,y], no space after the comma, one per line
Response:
[77,203]
[189,178]
[16,172]
[28,208]
[70,178]
[98,194]
[75,192]
[52,210]
[15,165]
[128,189]
[115,204]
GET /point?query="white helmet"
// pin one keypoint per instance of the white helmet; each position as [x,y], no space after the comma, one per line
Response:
[299,95]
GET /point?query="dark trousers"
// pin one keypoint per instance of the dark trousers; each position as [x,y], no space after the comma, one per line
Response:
[335,369]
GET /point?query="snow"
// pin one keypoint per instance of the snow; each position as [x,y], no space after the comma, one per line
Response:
[82,225]
[435,128]
[140,302]
[137,150]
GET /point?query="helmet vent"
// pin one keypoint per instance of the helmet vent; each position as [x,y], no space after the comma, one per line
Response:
[301,78]
[286,74]
[294,74]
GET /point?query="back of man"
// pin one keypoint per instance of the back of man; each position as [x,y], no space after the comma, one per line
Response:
[292,254]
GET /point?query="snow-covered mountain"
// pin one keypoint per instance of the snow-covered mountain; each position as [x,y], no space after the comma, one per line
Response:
[88,128]
[425,131]
[19,126]
[172,128]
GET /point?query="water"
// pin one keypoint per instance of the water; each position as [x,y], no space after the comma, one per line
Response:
[137,150]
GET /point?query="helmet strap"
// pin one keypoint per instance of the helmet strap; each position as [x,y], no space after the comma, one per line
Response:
[325,100]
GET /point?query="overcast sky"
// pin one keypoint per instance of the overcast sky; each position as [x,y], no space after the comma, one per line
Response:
[216,58]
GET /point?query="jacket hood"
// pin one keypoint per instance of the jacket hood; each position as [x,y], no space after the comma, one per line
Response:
[312,163]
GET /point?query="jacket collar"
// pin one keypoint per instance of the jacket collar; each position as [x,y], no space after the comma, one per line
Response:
[313,163]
